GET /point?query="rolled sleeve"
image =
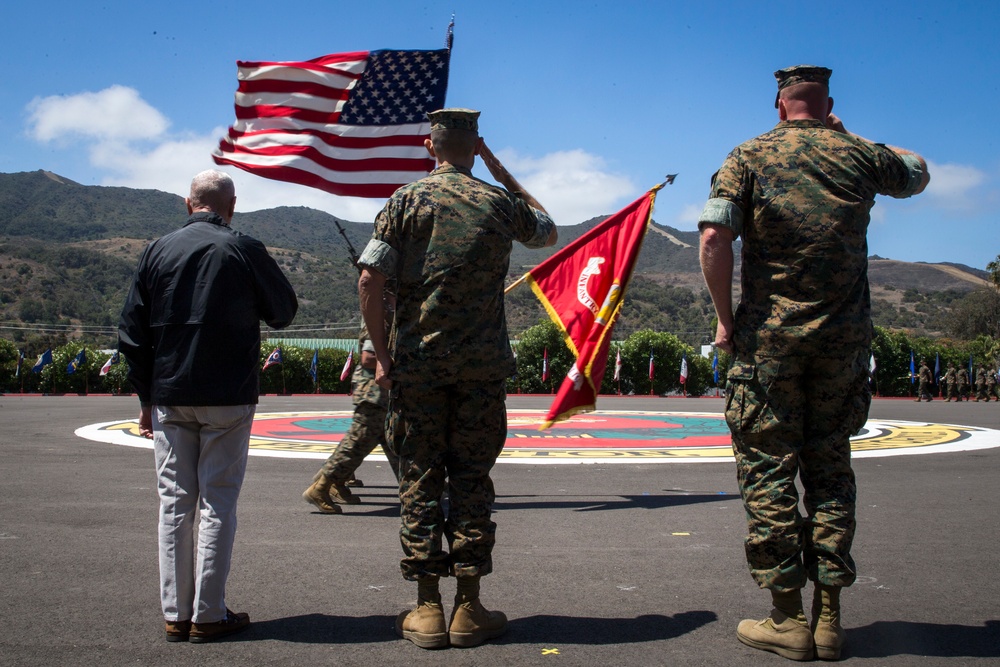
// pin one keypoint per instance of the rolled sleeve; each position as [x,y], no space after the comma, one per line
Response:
[543,229]
[380,256]
[722,212]
[915,176]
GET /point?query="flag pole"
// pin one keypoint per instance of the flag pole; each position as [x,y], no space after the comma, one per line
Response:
[515,283]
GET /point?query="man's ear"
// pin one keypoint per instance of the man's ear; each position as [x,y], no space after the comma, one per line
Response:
[187,202]
[232,207]
[782,111]
[429,145]
[829,108]
[479,146]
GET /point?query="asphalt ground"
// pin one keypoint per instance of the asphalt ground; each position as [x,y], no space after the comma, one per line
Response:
[595,564]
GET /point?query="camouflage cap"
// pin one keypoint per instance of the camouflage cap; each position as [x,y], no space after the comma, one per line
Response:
[454,119]
[791,76]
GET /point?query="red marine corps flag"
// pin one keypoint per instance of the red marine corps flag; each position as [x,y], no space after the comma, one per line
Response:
[350,124]
[583,287]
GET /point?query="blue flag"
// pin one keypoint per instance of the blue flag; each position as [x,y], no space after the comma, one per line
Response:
[913,368]
[20,362]
[79,360]
[313,366]
[972,378]
[937,367]
[44,359]
[715,367]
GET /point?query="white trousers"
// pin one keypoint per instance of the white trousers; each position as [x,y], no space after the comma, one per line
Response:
[201,458]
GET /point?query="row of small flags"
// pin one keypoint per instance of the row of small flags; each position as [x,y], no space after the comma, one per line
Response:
[275,359]
[618,366]
[45,358]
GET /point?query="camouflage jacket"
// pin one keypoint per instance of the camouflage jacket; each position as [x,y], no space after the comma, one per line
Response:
[800,196]
[447,240]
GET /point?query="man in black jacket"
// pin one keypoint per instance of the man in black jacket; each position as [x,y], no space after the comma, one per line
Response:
[190,330]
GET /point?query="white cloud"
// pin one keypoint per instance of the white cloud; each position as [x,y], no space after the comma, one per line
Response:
[128,140]
[573,186]
[115,113]
[687,219]
[951,185]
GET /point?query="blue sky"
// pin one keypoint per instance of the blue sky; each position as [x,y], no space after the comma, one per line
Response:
[588,103]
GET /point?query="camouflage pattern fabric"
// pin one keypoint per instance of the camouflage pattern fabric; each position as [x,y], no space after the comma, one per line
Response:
[799,196]
[805,193]
[452,235]
[991,384]
[925,379]
[949,383]
[366,432]
[793,415]
[961,382]
[367,429]
[981,384]
[447,437]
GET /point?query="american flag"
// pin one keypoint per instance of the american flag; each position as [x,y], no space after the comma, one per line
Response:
[351,124]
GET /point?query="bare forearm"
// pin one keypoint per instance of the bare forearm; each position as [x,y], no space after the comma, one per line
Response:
[716,254]
[370,288]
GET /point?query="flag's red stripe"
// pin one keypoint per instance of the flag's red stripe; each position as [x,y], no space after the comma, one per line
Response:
[310,153]
[284,86]
[293,175]
[333,139]
[320,63]
[250,113]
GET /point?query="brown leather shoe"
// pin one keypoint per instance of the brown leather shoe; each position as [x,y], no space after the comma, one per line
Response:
[424,626]
[178,631]
[231,624]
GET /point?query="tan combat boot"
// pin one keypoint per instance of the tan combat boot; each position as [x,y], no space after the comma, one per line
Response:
[424,626]
[471,623]
[828,635]
[785,631]
[318,494]
[339,493]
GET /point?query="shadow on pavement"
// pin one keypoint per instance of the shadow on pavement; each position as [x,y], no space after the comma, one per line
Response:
[547,629]
[323,629]
[888,638]
[600,503]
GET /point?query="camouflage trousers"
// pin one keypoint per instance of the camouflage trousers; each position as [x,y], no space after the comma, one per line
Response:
[952,393]
[367,431]
[794,416]
[447,438]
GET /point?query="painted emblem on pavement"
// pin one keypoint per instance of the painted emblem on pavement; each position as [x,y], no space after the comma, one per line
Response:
[597,437]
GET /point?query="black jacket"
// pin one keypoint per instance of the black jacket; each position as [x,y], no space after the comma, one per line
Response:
[190,328]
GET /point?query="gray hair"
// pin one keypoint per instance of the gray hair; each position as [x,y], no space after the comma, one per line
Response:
[212,189]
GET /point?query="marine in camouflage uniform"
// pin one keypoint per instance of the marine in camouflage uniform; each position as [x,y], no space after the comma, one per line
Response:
[330,484]
[799,197]
[961,382]
[924,379]
[991,384]
[447,239]
[949,383]
[981,385]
